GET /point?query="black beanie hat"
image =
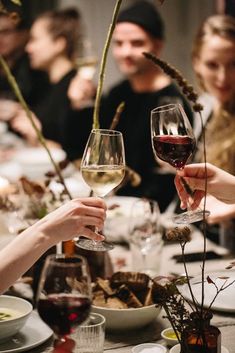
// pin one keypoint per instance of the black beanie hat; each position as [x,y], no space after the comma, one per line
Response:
[145,15]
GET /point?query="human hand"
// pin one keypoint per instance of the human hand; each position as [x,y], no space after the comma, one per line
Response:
[219,211]
[220,184]
[80,91]
[22,124]
[76,217]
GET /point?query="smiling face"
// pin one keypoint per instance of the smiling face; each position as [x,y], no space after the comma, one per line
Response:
[129,42]
[215,66]
[42,48]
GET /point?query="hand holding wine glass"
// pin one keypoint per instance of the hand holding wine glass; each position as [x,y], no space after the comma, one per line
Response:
[102,168]
[173,141]
[64,296]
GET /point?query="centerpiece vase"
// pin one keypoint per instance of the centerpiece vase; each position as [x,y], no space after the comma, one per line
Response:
[200,336]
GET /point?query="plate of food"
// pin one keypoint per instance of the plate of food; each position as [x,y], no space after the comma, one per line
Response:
[118,216]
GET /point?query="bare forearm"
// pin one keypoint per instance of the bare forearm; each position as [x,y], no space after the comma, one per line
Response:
[19,255]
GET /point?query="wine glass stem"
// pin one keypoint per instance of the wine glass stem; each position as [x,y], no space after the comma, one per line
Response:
[64,343]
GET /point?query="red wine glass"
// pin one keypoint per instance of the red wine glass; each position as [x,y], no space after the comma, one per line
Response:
[173,142]
[64,296]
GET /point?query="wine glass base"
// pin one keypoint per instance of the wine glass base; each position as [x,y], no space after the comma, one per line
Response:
[88,244]
[191,217]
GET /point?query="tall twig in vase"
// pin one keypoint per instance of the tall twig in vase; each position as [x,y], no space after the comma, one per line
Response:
[192,96]
[103,65]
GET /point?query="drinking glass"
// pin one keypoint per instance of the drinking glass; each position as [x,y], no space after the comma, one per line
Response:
[145,236]
[173,142]
[102,168]
[64,296]
[87,59]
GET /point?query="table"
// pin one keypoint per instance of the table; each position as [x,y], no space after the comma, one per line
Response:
[123,342]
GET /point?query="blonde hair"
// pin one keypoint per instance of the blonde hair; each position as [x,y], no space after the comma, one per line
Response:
[220,25]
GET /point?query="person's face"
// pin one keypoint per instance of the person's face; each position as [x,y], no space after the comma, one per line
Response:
[129,42]
[42,48]
[11,40]
[215,65]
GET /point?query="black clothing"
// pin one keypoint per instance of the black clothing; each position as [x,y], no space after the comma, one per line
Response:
[60,122]
[33,84]
[135,126]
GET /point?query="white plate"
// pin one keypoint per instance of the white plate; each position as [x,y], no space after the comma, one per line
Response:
[34,333]
[176,349]
[225,300]
[117,222]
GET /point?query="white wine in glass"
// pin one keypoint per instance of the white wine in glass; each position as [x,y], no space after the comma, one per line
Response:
[103,169]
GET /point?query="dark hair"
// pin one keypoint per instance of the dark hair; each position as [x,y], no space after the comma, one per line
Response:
[65,23]
[221,25]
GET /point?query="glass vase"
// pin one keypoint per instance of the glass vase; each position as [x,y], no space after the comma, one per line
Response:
[200,335]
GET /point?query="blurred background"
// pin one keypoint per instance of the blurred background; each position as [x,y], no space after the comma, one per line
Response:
[182,18]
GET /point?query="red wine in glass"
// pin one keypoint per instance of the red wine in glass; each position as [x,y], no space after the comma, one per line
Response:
[64,296]
[174,150]
[173,142]
[64,312]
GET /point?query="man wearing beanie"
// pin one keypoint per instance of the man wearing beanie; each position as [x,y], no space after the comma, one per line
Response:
[140,28]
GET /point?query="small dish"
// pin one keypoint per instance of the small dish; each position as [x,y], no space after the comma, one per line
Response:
[176,349]
[149,347]
[169,336]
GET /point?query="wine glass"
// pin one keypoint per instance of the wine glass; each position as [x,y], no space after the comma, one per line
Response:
[173,141]
[102,168]
[145,237]
[64,296]
[87,59]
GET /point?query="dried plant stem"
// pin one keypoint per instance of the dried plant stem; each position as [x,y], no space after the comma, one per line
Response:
[192,96]
[187,277]
[204,207]
[24,105]
[117,116]
[103,65]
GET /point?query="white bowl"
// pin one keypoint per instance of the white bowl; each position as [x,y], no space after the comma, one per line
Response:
[155,347]
[132,318]
[176,349]
[35,161]
[170,341]
[20,310]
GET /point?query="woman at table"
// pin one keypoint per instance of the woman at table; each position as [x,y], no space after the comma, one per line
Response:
[214,64]
[52,47]
[68,221]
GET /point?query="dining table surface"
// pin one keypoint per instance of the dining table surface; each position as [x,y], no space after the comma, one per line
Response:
[122,342]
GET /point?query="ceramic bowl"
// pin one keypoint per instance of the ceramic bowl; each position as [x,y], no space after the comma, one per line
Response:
[154,347]
[127,319]
[14,313]
[169,336]
[176,349]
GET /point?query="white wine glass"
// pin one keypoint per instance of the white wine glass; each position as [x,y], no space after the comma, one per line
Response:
[87,60]
[64,297]
[173,141]
[102,168]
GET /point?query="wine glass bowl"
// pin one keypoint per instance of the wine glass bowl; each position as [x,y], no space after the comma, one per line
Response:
[145,236]
[64,294]
[103,169]
[173,142]
[172,135]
